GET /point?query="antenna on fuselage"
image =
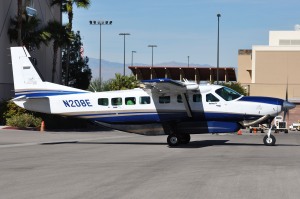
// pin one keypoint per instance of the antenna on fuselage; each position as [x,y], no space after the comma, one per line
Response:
[93,88]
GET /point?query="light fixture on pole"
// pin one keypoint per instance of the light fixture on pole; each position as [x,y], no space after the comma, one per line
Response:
[132,57]
[100,23]
[124,34]
[218,15]
[152,46]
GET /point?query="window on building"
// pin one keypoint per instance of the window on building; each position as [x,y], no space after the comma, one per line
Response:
[145,100]
[164,99]
[117,101]
[103,101]
[130,101]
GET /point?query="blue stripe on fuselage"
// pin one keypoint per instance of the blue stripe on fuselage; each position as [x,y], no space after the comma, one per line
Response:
[45,93]
[265,100]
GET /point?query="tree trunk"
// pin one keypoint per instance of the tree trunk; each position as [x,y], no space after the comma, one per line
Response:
[70,16]
[20,9]
[55,49]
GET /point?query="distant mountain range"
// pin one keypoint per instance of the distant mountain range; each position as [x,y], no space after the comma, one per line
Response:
[110,68]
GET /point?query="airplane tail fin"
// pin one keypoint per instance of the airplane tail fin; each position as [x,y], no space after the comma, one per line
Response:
[28,82]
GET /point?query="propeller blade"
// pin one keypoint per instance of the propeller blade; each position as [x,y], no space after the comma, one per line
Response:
[284,114]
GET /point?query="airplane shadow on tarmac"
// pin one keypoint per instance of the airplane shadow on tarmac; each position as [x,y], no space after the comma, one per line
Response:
[193,144]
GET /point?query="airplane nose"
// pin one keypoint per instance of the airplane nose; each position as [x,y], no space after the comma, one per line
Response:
[288,105]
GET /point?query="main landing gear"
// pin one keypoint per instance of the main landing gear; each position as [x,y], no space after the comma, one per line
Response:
[269,140]
[176,139]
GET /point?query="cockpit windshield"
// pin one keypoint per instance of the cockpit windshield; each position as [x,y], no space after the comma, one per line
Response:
[227,93]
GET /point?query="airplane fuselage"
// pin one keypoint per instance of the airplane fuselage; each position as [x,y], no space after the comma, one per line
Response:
[121,109]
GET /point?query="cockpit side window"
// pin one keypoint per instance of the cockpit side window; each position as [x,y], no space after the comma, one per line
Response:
[227,93]
[211,98]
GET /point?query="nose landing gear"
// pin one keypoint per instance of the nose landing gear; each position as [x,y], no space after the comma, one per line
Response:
[269,139]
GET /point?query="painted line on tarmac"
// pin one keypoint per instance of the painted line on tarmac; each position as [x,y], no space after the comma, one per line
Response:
[61,141]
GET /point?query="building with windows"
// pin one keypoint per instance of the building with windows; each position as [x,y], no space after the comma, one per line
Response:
[273,70]
[43,56]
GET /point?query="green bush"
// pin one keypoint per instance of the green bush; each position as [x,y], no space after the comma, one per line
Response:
[24,120]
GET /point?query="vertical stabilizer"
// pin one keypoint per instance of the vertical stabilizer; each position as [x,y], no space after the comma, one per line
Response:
[28,82]
[25,75]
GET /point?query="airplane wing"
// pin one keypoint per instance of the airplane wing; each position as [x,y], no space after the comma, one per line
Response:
[169,85]
[172,86]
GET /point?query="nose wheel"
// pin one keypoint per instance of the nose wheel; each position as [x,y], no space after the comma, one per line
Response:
[269,140]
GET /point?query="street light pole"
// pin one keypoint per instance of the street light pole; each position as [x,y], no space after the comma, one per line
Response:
[218,15]
[188,61]
[124,34]
[100,23]
[152,46]
[132,57]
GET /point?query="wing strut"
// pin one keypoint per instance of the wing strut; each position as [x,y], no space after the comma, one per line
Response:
[186,104]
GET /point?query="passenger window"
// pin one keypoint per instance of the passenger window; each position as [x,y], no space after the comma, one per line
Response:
[116,101]
[103,101]
[145,100]
[179,99]
[197,98]
[130,100]
[164,99]
[211,98]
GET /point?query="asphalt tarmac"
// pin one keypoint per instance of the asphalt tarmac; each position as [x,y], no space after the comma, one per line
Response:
[113,164]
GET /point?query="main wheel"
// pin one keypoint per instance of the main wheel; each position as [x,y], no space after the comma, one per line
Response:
[185,138]
[269,141]
[173,140]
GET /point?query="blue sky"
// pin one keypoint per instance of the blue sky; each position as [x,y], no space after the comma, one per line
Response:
[182,28]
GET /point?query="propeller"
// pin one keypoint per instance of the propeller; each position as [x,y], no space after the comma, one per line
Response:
[286,106]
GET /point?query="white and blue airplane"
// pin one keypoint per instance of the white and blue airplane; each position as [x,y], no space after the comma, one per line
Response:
[174,108]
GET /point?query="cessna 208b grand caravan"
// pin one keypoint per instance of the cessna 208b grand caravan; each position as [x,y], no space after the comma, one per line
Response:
[175,108]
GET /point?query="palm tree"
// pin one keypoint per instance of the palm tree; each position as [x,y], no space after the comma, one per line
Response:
[31,34]
[61,37]
[19,23]
[121,82]
[67,7]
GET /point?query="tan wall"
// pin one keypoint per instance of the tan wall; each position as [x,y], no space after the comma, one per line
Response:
[275,70]
[244,70]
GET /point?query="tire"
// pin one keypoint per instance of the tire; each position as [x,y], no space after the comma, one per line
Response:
[262,131]
[185,138]
[286,131]
[250,130]
[173,140]
[269,141]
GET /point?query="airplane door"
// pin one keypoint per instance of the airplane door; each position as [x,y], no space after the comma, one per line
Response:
[214,103]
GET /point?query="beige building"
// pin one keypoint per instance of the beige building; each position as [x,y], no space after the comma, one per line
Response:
[44,12]
[273,70]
